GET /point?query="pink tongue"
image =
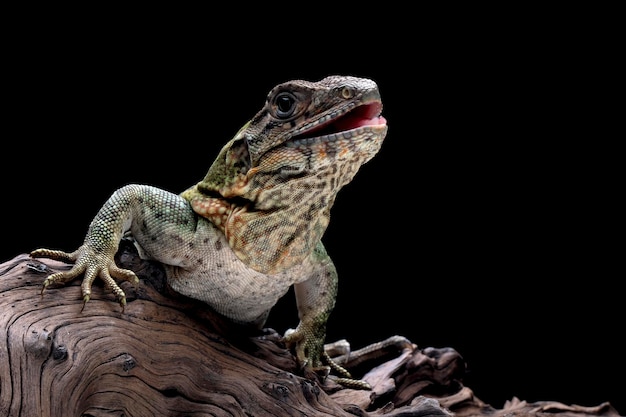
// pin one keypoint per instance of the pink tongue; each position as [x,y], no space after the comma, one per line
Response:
[352,122]
[380,120]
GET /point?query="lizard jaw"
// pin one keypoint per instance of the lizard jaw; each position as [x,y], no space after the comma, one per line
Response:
[365,115]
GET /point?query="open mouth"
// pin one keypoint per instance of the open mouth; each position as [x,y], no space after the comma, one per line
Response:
[365,115]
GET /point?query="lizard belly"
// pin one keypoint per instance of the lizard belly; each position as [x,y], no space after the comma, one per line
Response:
[215,275]
[242,296]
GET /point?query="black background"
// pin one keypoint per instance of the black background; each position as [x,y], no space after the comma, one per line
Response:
[487,223]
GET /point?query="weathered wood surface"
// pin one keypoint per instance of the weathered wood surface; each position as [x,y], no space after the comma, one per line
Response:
[167,356]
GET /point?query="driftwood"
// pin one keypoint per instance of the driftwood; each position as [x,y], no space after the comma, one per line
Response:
[165,355]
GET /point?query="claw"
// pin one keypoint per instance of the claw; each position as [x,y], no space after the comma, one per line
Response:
[85,299]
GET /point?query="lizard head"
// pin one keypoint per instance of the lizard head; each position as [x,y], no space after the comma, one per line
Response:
[272,186]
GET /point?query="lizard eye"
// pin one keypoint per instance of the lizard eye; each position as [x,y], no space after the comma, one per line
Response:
[285,104]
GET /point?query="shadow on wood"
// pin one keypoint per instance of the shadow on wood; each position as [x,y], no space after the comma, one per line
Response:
[166,355]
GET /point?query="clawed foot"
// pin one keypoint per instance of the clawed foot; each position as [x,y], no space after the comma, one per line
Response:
[310,354]
[93,265]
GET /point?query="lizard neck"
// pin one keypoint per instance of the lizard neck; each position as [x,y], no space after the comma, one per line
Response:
[272,186]
[266,240]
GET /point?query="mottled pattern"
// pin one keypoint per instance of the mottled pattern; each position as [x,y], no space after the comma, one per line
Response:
[273,185]
[252,227]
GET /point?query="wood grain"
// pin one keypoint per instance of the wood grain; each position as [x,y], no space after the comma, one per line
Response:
[166,355]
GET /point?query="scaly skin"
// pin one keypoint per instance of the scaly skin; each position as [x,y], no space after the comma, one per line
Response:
[239,239]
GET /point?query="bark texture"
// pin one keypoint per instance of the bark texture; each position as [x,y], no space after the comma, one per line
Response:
[165,355]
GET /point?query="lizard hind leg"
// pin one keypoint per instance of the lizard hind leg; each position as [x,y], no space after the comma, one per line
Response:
[345,377]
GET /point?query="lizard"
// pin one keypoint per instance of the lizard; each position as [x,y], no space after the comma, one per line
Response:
[251,229]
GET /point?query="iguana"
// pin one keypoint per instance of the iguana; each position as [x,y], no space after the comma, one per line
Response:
[252,228]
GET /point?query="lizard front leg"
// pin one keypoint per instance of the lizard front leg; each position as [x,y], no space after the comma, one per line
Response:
[133,207]
[315,299]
